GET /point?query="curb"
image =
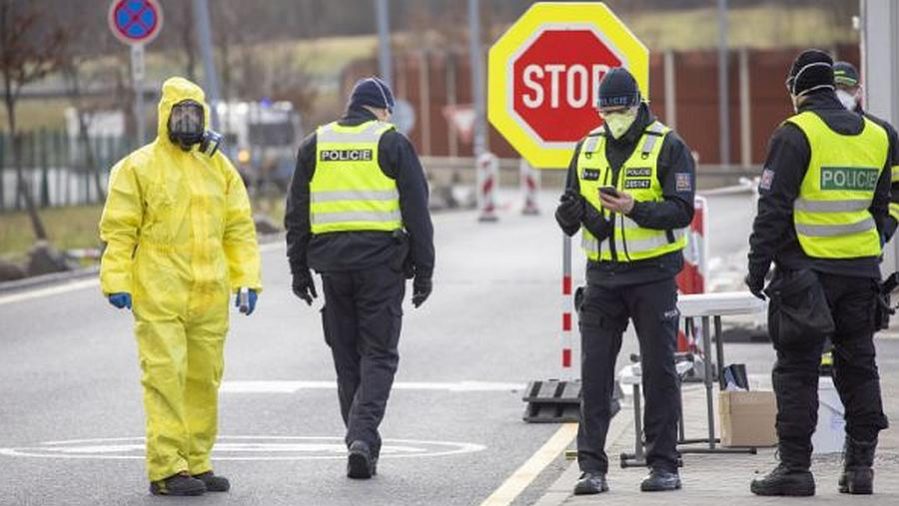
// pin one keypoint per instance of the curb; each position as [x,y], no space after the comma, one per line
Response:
[561,490]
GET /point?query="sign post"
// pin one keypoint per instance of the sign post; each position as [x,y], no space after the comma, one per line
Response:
[136,23]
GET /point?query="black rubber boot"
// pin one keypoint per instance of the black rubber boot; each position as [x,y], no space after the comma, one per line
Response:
[180,484]
[858,457]
[360,464]
[785,480]
[591,483]
[214,483]
[660,480]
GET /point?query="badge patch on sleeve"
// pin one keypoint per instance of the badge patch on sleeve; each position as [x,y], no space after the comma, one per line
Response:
[683,182]
[767,179]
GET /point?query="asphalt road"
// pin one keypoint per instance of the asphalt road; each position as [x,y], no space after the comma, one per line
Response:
[71,416]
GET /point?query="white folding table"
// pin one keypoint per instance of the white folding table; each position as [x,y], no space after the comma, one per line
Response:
[713,306]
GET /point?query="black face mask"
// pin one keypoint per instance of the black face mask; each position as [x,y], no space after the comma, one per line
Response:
[186,124]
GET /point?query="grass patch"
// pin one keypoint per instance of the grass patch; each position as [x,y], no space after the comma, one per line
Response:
[68,228]
[77,227]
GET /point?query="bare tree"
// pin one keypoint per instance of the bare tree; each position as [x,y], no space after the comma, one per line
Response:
[30,48]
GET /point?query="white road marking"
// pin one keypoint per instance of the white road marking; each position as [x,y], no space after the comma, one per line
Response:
[528,472]
[88,283]
[289,387]
[242,448]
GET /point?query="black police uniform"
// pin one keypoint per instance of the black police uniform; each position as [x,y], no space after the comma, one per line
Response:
[363,285]
[643,291]
[850,287]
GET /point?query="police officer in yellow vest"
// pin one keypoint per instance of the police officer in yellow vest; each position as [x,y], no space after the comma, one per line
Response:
[357,213]
[822,219]
[849,92]
[630,192]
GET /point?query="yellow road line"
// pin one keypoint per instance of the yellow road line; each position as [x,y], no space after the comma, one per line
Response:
[528,472]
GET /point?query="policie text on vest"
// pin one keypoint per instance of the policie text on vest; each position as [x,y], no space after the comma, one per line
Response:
[849,178]
[346,155]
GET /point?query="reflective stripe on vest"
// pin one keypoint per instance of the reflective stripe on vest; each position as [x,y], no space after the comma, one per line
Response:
[637,177]
[831,214]
[349,191]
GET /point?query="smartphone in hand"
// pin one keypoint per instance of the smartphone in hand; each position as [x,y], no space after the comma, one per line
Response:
[610,191]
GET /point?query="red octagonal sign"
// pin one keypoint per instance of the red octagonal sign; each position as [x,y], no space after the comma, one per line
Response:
[543,74]
[555,82]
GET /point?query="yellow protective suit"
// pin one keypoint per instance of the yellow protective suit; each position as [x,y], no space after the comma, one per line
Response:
[179,238]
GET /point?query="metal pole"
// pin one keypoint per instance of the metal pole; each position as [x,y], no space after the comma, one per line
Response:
[137,72]
[880,70]
[204,37]
[723,87]
[477,76]
[745,110]
[383,14]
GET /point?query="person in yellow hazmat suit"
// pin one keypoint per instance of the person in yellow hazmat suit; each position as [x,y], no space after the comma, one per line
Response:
[179,240]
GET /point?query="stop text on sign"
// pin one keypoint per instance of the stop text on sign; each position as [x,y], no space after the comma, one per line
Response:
[576,85]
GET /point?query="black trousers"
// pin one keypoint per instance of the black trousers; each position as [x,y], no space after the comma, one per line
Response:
[852,302]
[362,319]
[603,317]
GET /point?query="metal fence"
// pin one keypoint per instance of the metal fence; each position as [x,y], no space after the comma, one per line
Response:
[60,169]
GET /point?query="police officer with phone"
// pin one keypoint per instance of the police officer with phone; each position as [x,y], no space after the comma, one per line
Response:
[629,191]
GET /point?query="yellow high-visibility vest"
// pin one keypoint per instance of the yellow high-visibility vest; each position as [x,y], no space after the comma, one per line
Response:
[637,177]
[349,192]
[831,213]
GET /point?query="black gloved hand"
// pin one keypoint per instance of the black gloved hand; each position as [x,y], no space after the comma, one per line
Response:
[596,223]
[304,286]
[421,290]
[571,209]
[755,280]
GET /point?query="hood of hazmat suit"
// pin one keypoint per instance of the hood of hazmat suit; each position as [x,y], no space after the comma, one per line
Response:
[180,238]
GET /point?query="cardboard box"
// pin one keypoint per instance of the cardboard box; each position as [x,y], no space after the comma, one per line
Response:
[747,418]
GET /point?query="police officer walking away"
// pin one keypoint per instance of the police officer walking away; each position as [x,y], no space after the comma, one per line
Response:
[630,192]
[845,77]
[822,219]
[357,213]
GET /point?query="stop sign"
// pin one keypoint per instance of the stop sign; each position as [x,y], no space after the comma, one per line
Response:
[544,73]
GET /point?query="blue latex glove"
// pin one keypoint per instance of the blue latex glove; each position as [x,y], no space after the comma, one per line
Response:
[120,300]
[251,301]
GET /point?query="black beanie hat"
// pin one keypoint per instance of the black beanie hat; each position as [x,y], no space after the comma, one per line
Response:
[811,70]
[618,88]
[845,74]
[373,92]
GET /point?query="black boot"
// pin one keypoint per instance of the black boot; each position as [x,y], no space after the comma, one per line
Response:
[785,480]
[178,484]
[360,464]
[591,483]
[858,457]
[214,483]
[660,480]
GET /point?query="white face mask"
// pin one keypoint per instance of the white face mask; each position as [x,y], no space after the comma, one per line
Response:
[849,101]
[618,123]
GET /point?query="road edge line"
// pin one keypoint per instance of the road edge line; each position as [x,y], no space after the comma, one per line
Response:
[518,481]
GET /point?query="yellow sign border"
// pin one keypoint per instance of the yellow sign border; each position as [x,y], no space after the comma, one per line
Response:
[596,14]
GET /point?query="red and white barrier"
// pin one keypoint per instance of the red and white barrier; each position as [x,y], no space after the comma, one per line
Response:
[530,188]
[567,309]
[692,279]
[487,180]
